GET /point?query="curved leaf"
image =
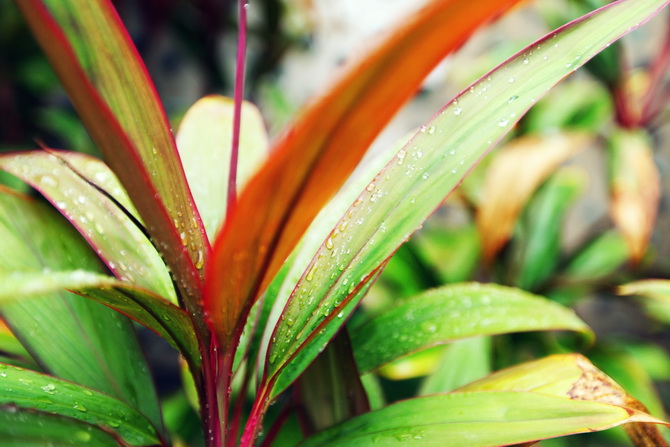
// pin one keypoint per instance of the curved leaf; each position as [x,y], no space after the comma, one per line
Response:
[462,362]
[72,338]
[316,155]
[478,419]
[574,377]
[31,390]
[148,309]
[455,312]
[204,141]
[110,88]
[537,157]
[26,428]
[79,186]
[636,188]
[536,251]
[416,180]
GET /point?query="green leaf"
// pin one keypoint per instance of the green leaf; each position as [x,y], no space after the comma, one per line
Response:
[204,141]
[598,259]
[333,377]
[656,293]
[24,428]
[418,177]
[570,376]
[454,253]
[31,390]
[85,191]
[456,312]
[107,82]
[462,362]
[72,338]
[536,249]
[483,419]
[148,309]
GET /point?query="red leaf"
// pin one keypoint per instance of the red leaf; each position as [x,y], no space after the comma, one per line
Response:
[312,160]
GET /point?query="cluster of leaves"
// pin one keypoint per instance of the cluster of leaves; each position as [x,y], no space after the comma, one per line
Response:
[257,290]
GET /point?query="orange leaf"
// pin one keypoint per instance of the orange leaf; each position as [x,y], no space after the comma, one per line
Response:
[512,178]
[313,159]
[636,189]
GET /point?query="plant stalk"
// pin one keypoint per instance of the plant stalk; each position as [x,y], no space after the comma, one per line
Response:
[239,94]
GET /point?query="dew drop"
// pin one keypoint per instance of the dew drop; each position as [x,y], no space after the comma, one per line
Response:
[80,407]
[458,111]
[47,180]
[525,60]
[200,260]
[312,271]
[511,79]
[83,436]
[371,187]
[423,129]
[329,243]
[512,99]
[431,130]
[49,388]
[401,156]
[503,122]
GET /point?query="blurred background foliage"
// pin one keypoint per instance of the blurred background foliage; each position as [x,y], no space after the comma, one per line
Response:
[572,205]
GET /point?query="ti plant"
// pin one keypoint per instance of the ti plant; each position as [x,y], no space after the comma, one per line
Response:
[256,289]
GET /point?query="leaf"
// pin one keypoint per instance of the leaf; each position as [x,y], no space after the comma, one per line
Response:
[108,84]
[462,362]
[657,294]
[483,419]
[506,192]
[658,289]
[455,312]
[574,377]
[537,248]
[72,338]
[322,148]
[80,186]
[418,177]
[31,390]
[333,377]
[35,429]
[600,258]
[205,133]
[148,309]
[636,188]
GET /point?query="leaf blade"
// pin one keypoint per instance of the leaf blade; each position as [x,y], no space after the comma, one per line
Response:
[321,150]
[86,192]
[417,178]
[31,390]
[148,309]
[115,98]
[72,338]
[455,312]
[205,133]
[477,419]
